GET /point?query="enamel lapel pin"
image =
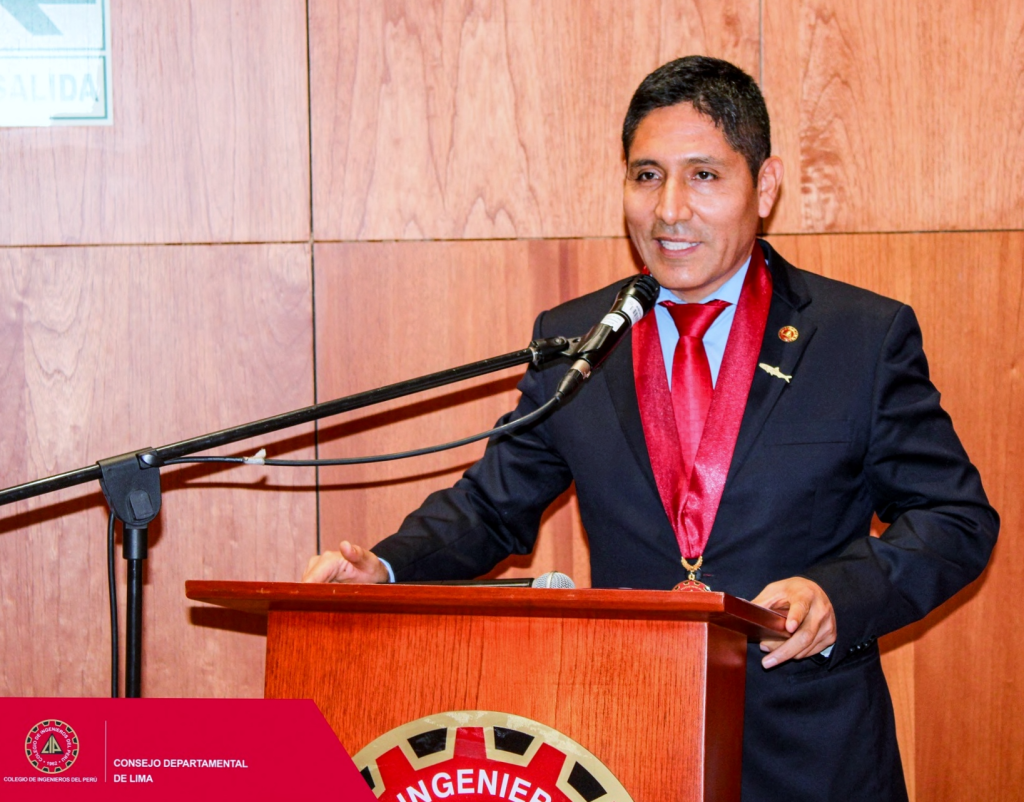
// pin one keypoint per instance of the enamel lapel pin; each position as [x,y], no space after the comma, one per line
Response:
[773,371]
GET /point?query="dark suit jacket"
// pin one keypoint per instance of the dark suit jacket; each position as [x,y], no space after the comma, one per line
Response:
[857,431]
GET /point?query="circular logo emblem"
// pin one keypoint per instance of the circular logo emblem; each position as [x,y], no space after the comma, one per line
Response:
[788,334]
[489,756]
[51,746]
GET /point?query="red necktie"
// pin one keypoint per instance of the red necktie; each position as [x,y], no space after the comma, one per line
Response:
[691,374]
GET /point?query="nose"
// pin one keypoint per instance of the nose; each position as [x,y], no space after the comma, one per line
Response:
[673,202]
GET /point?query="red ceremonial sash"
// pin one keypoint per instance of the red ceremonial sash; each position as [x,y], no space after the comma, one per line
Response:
[692,509]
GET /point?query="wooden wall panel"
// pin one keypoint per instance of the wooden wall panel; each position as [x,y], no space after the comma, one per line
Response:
[897,116]
[898,665]
[967,673]
[388,312]
[486,118]
[210,141]
[465,119]
[109,349]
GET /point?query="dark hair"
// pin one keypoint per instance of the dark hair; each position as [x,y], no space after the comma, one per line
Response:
[717,89]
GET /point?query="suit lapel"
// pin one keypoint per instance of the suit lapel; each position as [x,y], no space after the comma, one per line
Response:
[618,378]
[789,296]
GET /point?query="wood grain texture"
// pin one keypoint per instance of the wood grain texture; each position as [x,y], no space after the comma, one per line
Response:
[388,312]
[600,682]
[898,665]
[897,116]
[968,676]
[110,349]
[489,118]
[724,678]
[210,141]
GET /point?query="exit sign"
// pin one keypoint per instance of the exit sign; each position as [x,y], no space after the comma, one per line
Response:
[55,62]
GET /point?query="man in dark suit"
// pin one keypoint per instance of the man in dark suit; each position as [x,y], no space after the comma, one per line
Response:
[822,414]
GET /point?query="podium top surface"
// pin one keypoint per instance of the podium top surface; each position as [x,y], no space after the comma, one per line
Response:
[714,608]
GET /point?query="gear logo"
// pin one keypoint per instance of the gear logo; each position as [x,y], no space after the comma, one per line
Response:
[51,746]
[484,756]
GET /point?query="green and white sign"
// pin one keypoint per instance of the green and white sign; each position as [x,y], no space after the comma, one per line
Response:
[54,62]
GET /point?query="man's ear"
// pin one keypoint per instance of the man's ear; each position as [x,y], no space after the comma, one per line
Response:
[769,181]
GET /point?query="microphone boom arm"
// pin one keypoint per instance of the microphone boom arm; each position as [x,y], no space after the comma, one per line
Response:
[537,353]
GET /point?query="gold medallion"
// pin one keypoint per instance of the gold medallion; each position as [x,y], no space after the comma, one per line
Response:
[788,334]
[691,583]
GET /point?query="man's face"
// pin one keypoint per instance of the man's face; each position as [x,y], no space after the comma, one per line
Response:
[690,203]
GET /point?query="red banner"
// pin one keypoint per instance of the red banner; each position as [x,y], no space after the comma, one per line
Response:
[157,749]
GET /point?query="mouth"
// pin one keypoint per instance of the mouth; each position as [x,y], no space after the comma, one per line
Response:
[676,246]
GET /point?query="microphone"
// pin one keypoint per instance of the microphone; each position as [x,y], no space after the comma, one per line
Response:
[634,301]
[553,579]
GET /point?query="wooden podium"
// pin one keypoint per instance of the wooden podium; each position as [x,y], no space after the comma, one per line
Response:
[650,682]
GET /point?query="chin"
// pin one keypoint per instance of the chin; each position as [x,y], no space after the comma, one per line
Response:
[677,280]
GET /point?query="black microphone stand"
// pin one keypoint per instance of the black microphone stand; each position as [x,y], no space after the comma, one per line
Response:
[131,482]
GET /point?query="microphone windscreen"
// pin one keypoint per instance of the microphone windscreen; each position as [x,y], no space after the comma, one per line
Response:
[553,579]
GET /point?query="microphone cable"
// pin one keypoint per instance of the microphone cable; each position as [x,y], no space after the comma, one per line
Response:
[258,459]
[634,300]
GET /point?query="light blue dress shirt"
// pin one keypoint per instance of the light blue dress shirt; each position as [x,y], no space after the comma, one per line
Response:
[717,335]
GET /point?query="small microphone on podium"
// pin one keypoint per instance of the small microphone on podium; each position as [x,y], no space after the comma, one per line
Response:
[553,579]
[635,299]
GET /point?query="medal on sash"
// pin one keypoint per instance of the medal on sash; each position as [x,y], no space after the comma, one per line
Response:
[692,582]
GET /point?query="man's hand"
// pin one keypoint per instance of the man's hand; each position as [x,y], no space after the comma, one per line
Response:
[350,563]
[809,617]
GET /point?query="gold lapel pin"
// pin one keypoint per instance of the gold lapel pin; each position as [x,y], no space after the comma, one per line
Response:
[773,371]
[788,334]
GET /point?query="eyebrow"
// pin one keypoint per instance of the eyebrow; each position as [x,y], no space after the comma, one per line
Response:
[689,161]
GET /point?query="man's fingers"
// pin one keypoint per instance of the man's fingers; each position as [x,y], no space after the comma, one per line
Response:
[350,563]
[355,554]
[813,635]
[770,597]
[322,567]
[809,618]
[797,647]
[798,610]
[777,596]
[331,567]
[365,563]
